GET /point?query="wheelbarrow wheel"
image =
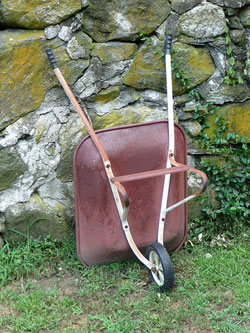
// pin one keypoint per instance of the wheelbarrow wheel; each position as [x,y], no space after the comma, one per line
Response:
[163,275]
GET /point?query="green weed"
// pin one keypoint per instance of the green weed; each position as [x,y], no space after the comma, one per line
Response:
[60,295]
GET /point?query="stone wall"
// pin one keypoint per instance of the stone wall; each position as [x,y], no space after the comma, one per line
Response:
[103,51]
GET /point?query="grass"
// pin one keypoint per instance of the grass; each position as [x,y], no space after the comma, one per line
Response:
[44,288]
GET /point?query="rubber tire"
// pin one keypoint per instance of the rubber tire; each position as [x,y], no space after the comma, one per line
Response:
[167,272]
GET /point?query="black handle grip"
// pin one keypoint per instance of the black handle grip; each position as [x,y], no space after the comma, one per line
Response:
[168,44]
[51,58]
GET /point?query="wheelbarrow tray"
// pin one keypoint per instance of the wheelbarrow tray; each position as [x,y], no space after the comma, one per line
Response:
[131,149]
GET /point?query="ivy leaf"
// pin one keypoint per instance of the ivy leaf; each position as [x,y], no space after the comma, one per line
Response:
[235,159]
[240,80]
[231,61]
[243,139]
[228,40]
[229,50]
[227,80]
[231,72]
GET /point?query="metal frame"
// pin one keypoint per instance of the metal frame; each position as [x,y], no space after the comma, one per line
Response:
[170,158]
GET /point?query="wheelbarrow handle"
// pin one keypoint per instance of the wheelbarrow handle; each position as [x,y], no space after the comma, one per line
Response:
[168,43]
[51,58]
[77,106]
[150,174]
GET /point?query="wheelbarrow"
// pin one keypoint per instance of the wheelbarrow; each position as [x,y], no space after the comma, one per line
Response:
[130,191]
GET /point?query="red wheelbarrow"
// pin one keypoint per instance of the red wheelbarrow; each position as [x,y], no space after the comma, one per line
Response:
[130,191]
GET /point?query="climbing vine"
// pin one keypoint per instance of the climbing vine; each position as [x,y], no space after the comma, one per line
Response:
[234,75]
[229,177]
[229,171]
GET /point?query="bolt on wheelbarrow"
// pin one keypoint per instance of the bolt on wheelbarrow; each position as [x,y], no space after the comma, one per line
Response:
[130,191]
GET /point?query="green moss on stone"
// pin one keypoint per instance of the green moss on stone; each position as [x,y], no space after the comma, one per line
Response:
[11,167]
[114,51]
[123,20]
[126,116]
[39,131]
[238,117]
[107,95]
[195,63]
[25,72]
[51,150]
[60,218]
[148,69]
[48,220]
[36,14]
[79,46]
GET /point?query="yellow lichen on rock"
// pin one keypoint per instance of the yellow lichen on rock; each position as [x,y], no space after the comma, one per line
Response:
[36,14]
[22,71]
[39,131]
[115,51]
[238,117]
[26,74]
[148,70]
[126,116]
[107,95]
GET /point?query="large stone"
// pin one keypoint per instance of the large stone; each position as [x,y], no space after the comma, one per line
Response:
[238,117]
[195,63]
[107,95]
[51,31]
[79,46]
[218,92]
[238,37]
[148,70]
[65,33]
[219,59]
[36,14]
[234,22]
[170,25]
[182,6]
[54,192]
[26,74]
[99,76]
[22,84]
[245,17]
[128,115]
[231,11]
[203,21]
[124,20]
[11,167]
[112,98]
[113,51]
[153,99]
[36,219]
[230,3]
[193,127]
